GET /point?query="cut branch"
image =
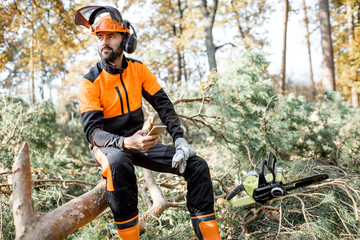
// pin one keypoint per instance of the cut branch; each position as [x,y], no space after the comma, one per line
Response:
[159,202]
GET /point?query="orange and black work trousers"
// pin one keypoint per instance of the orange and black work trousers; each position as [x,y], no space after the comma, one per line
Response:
[122,193]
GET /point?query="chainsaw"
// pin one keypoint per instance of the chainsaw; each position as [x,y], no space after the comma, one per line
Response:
[261,187]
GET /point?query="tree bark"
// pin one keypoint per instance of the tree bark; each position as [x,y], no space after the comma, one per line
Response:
[209,19]
[58,223]
[283,66]
[306,20]
[327,48]
[353,70]
[22,205]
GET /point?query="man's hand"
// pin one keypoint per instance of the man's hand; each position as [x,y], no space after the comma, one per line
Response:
[141,141]
[182,154]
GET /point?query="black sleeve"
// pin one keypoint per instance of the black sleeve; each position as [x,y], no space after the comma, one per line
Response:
[162,104]
[93,129]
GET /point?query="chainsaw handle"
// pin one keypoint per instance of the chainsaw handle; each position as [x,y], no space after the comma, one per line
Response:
[262,180]
[271,165]
[235,191]
[271,162]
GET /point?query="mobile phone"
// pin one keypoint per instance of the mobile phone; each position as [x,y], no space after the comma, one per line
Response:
[158,129]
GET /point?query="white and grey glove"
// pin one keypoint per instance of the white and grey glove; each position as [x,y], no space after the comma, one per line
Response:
[182,154]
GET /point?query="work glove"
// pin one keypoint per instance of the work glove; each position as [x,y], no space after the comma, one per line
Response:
[182,154]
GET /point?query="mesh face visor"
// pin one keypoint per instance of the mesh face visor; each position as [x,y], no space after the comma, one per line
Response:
[86,16]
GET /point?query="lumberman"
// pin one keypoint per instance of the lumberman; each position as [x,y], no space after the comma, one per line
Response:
[110,97]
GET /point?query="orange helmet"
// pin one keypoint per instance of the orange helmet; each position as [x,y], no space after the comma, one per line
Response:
[107,24]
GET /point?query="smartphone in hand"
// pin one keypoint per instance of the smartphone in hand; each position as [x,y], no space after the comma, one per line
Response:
[156,130]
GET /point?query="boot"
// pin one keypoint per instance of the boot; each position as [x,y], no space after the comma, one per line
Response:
[129,229]
[205,227]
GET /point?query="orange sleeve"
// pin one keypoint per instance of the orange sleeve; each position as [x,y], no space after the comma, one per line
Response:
[150,83]
[89,96]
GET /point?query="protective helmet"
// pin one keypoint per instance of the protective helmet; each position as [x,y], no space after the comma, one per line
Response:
[107,24]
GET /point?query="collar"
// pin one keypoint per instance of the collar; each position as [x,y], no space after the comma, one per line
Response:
[114,70]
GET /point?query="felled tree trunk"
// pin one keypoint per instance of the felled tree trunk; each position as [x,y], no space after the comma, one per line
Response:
[58,223]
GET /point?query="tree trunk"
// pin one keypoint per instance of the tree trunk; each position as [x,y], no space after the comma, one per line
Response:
[326,43]
[209,19]
[184,65]
[58,223]
[283,66]
[32,77]
[179,63]
[178,31]
[353,70]
[306,20]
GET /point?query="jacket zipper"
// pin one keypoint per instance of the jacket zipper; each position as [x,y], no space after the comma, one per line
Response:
[121,101]
[126,94]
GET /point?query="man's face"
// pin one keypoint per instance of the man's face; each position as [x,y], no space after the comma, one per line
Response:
[109,45]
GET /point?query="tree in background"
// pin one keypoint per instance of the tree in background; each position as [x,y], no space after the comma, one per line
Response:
[248,16]
[38,41]
[353,50]
[306,21]
[245,15]
[168,39]
[184,33]
[327,47]
[283,66]
[209,14]
[347,47]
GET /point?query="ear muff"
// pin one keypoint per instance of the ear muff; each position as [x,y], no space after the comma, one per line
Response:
[131,40]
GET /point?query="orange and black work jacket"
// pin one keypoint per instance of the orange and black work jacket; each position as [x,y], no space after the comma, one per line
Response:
[110,102]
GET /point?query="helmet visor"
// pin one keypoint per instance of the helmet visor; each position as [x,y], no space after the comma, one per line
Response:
[86,16]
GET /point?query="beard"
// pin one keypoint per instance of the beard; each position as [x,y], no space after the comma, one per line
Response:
[110,56]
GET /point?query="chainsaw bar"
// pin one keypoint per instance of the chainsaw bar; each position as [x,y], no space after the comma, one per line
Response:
[306,181]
